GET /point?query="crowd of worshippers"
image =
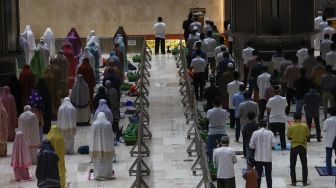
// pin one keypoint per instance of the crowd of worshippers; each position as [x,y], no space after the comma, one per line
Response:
[32,100]
[262,97]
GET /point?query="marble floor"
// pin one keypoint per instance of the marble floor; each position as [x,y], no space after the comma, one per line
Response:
[169,163]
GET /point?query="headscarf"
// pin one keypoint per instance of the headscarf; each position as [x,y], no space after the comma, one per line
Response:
[27,80]
[20,154]
[36,101]
[52,80]
[63,65]
[113,76]
[9,103]
[101,139]
[88,54]
[66,118]
[100,95]
[3,130]
[96,54]
[80,94]
[86,71]
[113,98]
[92,38]
[47,166]
[23,43]
[57,141]
[45,53]
[104,108]
[29,125]
[16,90]
[72,61]
[50,41]
[75,41]
[29,35]
[37,64]
[44,92]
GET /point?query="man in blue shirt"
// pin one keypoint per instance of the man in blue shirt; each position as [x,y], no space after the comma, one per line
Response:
[236,100]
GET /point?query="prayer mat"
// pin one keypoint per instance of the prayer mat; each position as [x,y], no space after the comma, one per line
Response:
[322,170]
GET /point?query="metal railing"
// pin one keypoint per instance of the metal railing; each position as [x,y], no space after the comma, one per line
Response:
[139,168]
[192,114]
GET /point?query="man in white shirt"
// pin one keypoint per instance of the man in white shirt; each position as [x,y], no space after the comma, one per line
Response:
[331,56]
[276,106]
[197,24]
[190,44]
[317,21]
[211,45]
[233,88]
[262,141]
[325,46]
[323,25]
[329,29]
[246,55]
[224,159]
[198,65]
[263,82]
[302,54]
[217,119]
[160,31]
[219,56]
[330,128]
[218,49]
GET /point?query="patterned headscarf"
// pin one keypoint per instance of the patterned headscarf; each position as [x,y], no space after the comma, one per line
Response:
[36,101]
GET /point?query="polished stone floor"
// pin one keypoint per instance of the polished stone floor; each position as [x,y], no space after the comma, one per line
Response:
[169,163]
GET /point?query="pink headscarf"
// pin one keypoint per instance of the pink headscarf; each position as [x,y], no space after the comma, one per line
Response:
[10,106]
[21,154]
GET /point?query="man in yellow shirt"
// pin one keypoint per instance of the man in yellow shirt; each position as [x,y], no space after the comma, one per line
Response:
[298,133]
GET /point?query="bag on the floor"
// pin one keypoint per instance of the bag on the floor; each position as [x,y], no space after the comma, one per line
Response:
[83,149]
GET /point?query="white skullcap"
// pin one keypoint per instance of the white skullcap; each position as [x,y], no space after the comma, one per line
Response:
[230,65]
[195,28]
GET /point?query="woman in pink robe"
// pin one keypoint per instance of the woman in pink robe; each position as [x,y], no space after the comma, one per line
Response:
[69,54]
[3,130]
[10,106]
[20,158]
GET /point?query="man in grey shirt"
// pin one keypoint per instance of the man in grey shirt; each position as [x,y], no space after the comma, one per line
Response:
[309,63]
[328,83]
[198,66]
[217,119]
[243,109]
[190,43]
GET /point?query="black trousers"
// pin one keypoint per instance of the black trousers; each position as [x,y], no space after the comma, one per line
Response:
[232,118]
[317,125]
[262,108]
[302,152]
[159,41]
[199,84]
[281,128]
[259,166]
[238,128]
[289,97]
[226,183]
[212,63]
[116,130]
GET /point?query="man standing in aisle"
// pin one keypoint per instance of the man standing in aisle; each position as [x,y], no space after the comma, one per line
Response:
[331,56]
[263,82]
[311,102]
[160,32]
[224,159]
[198,65]
[244,108]
[217,119]
[262,141]
[317,21]
[233,88]
[330,128]
[211,45]
[328,84]
[247,55]
[277,120]
[292,73]
[298,133]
